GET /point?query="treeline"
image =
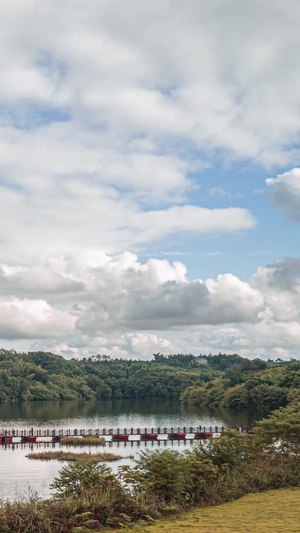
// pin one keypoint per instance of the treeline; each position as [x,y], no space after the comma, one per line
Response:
[206,380]
[217,362]
[250,384]
[45,376]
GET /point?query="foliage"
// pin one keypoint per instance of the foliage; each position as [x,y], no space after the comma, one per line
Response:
[252,384]
[80,477]
[24,517]
[226,380]
[284,425]
[45,376]
[227,451]
[161,473]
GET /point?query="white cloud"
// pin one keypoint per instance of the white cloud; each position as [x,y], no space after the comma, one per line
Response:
[106,120]
[170,75]
[117,305]
[190,218]
[29,319]
[78,214]
[122,295]
[143,344]
[286,193]
[280,284]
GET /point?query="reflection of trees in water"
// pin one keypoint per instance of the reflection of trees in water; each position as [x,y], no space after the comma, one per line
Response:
[42,412]
[230,417]
[57,410]
[48,410]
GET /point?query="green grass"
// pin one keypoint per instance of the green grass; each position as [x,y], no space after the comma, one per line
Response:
[275,511]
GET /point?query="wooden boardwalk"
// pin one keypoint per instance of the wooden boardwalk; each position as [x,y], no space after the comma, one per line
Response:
[8,436]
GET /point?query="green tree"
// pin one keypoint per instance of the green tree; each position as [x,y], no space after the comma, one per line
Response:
[284,425]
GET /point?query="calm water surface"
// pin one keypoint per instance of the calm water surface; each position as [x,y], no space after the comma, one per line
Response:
[19,474]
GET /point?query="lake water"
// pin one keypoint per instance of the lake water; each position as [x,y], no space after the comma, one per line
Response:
[18,474]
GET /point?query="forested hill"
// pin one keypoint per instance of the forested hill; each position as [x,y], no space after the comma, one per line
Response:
[46,376]
[253,384]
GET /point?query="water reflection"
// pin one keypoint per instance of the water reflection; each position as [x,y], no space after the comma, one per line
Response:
[93,413]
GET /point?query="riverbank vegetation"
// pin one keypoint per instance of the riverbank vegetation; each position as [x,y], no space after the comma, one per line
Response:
[250,384]
[87,496]
[59,455]
[213,380]
[82,441]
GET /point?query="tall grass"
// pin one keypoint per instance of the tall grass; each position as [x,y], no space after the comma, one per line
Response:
[83,441]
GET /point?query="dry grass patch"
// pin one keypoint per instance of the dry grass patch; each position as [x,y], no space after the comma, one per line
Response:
[72,456]
[82,441]
[275,511]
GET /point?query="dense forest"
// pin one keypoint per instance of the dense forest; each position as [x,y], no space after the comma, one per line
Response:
[212,380]
[255,384]
[45,376]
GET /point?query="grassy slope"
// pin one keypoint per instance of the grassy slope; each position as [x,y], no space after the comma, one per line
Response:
[276,511]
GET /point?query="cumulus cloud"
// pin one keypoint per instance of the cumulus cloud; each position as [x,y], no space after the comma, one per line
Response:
[285,193]
[276,332]
[116,305]
[124,308]
[29,319]
[107,122]
[280,284]
[266,339]
[120,294]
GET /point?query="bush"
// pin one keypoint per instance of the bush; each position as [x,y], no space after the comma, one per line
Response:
[283,424]
[171,476]
[161,473]
[81,478]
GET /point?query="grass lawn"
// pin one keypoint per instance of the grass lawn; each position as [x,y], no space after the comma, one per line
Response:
[276,511]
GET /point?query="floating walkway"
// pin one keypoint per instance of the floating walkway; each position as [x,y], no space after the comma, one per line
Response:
[15,436]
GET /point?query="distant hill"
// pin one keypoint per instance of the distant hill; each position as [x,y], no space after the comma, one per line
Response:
[46,376]
[255,384]
[227,380]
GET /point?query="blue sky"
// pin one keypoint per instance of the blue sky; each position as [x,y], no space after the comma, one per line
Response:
[271,240]
[149,177]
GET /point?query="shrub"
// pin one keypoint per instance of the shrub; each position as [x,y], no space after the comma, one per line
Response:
[80,478]
[171,476]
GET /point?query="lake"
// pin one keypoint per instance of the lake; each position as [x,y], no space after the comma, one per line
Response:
[20,474]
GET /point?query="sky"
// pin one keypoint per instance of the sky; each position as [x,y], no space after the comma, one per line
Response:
[150,177]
